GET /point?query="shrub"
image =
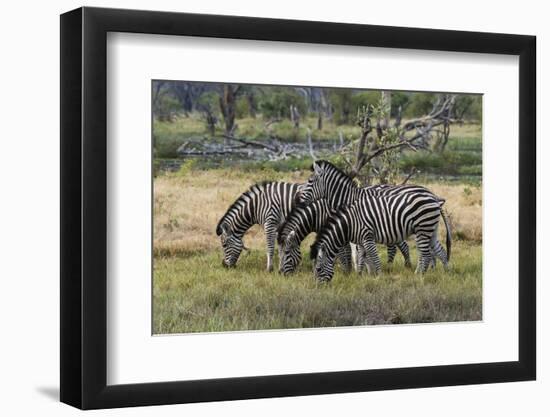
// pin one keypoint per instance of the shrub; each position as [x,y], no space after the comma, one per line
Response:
[420,104]
[277,101]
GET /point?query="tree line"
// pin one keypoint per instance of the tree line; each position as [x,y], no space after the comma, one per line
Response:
[224,103]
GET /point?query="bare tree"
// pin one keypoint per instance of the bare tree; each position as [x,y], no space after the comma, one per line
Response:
[310,144]
[228,103]
[295,116]
[374,154]
[252,105]
[157,88]
[209,117]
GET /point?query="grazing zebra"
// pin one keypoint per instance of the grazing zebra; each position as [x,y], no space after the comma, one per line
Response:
[378,219]
[302,221]
[327,181]
[299,223]
[267,204]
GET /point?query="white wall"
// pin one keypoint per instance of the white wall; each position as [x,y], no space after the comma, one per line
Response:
[29,173]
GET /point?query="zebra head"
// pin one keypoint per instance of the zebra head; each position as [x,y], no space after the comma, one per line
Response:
[232,246]
[290,254]
[314,188]
[323,268]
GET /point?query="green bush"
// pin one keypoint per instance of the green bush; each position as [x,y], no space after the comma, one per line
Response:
[276,102]
[242,109]
[420,104]
[469,107]
[341,99]
[166,107]
[399,98]
[364,99]
[186,168]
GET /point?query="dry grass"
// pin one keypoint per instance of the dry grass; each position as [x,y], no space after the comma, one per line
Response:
[187,208]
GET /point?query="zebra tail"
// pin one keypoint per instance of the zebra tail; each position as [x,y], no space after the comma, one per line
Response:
[448,228]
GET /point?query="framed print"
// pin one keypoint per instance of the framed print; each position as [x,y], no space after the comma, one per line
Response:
[255,208]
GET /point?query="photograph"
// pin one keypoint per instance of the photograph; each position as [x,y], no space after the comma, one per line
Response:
[296,207]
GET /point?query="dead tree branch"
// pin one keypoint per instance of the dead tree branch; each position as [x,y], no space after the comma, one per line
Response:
[390,138]
[411,174]
[254,143]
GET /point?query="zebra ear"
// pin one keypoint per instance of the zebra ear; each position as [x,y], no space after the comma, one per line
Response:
[221,230]
[290,236]
[317,168]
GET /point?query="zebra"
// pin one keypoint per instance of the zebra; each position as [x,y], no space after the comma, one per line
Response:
[267,204]
[379,219]
[299,223]
[302,221]
[332,183]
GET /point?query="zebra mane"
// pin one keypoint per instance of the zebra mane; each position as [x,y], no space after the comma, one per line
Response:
[260,185]
[326,165]
[321,236]
[281,234]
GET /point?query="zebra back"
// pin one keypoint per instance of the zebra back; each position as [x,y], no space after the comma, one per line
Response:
[391,219]
[256,205]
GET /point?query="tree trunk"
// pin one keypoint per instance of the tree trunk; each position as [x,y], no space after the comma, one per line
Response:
[346,110]
[295,116]
[252,106]
[228,104]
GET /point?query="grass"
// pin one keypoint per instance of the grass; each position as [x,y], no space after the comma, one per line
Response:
[196,294]
[192,292]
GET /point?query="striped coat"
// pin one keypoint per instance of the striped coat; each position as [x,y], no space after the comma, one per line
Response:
[378,219]
[266,204]
[302,221]
[327,181]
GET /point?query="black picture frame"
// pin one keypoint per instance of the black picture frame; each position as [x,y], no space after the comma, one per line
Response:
[84,207]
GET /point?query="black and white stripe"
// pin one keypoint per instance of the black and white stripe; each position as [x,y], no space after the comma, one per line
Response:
[266,204]
[329,182]
[378,219]
[302,221]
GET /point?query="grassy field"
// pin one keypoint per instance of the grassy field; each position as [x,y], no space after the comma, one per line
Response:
[192,292]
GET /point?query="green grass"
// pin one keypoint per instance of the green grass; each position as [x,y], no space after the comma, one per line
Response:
[462,156]
[194,293]
[450,163]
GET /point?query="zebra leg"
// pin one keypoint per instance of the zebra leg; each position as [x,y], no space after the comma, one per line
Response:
[374,265]
[280,252]
[392,250]
[344,256]
[360,259]
[404,249]
[433,260]
[270,236]
[423,245]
